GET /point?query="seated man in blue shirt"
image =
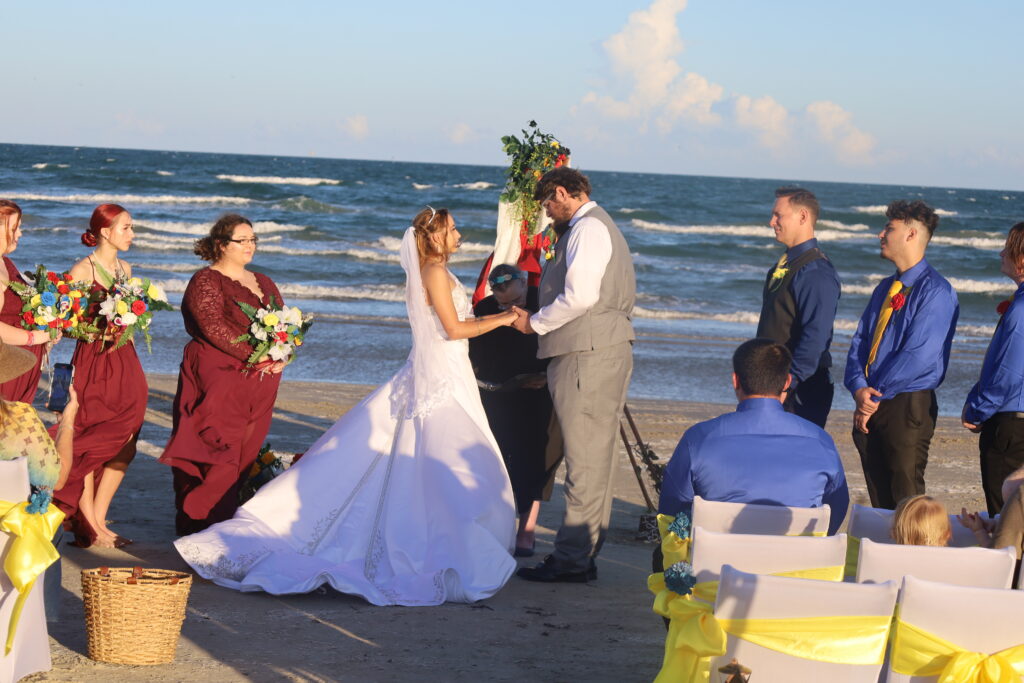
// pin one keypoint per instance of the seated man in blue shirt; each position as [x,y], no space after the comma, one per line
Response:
[898,357]
[760,453]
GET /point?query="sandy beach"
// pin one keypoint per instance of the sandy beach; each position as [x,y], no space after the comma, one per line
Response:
[602,631]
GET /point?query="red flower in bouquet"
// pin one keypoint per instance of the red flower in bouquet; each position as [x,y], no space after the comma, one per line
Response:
[63,289]
[1003,307]
[897,301]
[28,317]
[53,277]
[138,307]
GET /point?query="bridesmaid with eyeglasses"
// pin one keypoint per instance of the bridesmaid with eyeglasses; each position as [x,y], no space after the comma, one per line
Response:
[222,409]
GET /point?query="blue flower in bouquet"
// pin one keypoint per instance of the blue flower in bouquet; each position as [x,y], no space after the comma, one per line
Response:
[38,502]
[680,526]
[679,578]
[48,299]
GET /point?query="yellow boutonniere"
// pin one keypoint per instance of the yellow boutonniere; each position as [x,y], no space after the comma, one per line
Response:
[779,273]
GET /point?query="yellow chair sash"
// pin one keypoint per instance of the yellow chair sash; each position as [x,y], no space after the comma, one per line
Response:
[695,636]
[852,556]
[31,551]
[917,652]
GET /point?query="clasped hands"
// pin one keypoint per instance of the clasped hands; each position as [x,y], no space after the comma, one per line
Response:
[866,407]
[522,320]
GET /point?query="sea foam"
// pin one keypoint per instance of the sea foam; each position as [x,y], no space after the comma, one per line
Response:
[127,198]
[275,180]
[260,227]
[479,185]
[879,209]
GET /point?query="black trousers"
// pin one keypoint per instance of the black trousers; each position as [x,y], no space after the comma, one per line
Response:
[1002,452]
[812,399]
[894,452]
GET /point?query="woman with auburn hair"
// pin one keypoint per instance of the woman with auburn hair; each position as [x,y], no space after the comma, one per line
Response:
[22,388]
[405,500]
[111,387]
[222,409]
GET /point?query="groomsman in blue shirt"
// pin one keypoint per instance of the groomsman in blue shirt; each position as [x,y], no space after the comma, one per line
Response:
[898,356]
[798,304]
[759,453]
[995,406]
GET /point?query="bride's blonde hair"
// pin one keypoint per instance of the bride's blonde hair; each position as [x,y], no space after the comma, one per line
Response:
[427,224]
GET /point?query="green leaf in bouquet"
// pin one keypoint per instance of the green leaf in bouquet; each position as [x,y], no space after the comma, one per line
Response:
[241,338]
[248,309]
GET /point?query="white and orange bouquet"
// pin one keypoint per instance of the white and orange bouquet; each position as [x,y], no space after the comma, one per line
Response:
[275,332]
[54,302]
[128,309]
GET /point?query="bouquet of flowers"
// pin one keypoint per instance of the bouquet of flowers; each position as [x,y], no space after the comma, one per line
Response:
[53,302]
[528,159]
[275,332]
[267,466]
[128,308]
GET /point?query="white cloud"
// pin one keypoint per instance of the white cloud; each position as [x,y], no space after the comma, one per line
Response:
[643,55]
[357,127]
[462,133]
[765,115]
[834,126]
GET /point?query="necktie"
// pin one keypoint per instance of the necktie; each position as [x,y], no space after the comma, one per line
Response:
[883,321]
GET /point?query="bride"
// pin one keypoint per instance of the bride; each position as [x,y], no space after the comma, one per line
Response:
[405,500]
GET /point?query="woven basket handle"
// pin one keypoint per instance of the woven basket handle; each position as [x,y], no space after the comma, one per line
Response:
[136,575]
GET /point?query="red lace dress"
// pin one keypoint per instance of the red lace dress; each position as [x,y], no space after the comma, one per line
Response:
[221,414]
[21,389]
[112,394]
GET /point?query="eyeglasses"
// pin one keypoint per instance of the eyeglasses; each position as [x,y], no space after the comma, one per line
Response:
[547,199]
[247,240]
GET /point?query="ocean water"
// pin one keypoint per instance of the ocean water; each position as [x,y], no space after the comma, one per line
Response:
[330,231]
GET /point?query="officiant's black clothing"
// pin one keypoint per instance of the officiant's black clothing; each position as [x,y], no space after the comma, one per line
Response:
[798,311]
[519,418]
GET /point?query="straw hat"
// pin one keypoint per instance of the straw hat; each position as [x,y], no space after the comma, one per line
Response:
[14,362]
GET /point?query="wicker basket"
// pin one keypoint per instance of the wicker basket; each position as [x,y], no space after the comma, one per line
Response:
[134,615]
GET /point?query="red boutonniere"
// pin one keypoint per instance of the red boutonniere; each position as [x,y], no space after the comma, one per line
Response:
[898,299]
[1003,306]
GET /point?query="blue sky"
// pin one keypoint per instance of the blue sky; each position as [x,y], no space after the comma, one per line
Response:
[907,92]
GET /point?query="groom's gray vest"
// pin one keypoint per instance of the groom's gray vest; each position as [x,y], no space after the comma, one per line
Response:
[606,323]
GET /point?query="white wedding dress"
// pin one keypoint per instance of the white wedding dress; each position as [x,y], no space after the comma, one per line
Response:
[404,501]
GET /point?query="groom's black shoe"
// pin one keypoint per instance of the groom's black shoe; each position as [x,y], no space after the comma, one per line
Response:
[548,572]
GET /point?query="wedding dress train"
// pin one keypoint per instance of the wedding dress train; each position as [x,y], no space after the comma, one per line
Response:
[404,501]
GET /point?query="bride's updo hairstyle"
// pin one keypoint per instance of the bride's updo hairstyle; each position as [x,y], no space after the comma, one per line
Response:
[430,227]
[211,247]
[103,217]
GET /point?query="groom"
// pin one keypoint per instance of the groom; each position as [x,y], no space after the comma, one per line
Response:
[585,328]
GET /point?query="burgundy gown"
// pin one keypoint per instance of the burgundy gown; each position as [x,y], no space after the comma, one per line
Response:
[112,394]
[23,388]
[221,414]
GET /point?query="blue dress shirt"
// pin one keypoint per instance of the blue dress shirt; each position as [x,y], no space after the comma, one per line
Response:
[816,289]
[1001,387]
[914,352]
[758,454]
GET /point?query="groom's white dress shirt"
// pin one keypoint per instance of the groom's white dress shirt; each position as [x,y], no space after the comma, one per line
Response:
[587,253]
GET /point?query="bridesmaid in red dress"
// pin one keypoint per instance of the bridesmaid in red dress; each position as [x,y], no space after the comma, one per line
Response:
[222,412]
[23,388]
[112,393]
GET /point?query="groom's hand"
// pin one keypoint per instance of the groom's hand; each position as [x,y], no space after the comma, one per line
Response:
[522,321]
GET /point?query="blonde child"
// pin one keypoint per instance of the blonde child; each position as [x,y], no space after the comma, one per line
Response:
[921,520]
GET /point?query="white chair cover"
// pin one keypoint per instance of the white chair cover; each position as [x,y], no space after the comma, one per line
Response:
[976,619]
[748,596]
[979,567]
[752,518]
[31,650]
[876,524]
[761,554]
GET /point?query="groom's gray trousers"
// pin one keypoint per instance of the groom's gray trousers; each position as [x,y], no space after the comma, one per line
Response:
[588,389]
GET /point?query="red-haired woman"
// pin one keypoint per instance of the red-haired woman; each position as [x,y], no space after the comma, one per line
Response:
[111,389]
[221,411]
[22,388]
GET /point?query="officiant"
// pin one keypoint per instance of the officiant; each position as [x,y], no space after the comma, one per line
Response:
[513,389]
